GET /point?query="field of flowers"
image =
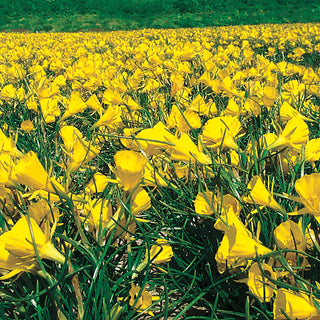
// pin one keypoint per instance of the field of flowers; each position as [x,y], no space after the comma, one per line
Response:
[161,174]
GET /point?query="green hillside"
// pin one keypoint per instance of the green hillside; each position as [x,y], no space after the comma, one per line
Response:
[65,15]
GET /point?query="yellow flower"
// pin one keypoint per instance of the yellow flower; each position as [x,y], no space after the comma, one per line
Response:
[267,139]
[259,284]
[128,138]
[30,172]
[308,189]
[252,107]
[237,244]
[287,112]
[7,200]
[41,210]
[130,167]
[270,95]
[74,106]
[78,149]
[49,108]
[14,264]
[233,108]
[27,126]
[295,133]
[25,235]
[161,252]
[183,121]
[69,135]
[203,203]
[221,131]
[112,97]
[310,77]
[95,104]
[312,150]
[82,153]
[185,150]
[227,209]
[177,83]
[260,195]
[271,51]
[99,213]
[98,183]
[298,53]
[296,305]
[288,235]
[110,118]
[154,176]
[200,106]
[292,91]
[140,201]
[7,146]
[140,299]
[154,140]
[8,92]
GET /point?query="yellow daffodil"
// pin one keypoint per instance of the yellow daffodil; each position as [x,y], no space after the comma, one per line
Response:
[295,133]
[7,146]
[69,135]
[8,92]
[98,183]
[203,203]
[140,299]
[82,153]
[140,201]
[312,150]
[184,149]
[221,131]
[288,235]
[111,117]
[233,109]
[161,252]
[49,109]
[308,189]
[287,112]
[259,284]
[154,176]
[95,104]
[183,121]
[27,126]
[270,95]
[200,106]
[14,264]
[98,213]
[30,172]
[7,200]
[75,105]
[41,210]
[260,195]
[112,97]
[252,107]
[154,140]
[130,167]
[238,243]
[295,305]
[25,236]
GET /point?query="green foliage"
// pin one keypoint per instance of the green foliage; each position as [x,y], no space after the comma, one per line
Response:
[65,15]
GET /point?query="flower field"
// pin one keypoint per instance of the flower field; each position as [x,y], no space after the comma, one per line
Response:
[161,174]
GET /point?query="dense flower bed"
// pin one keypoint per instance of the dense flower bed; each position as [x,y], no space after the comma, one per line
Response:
[161,173]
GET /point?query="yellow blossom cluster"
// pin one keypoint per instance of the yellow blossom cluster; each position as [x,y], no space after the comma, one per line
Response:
[101,128]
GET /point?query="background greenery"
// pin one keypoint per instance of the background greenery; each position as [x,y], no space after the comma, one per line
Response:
[103,15]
